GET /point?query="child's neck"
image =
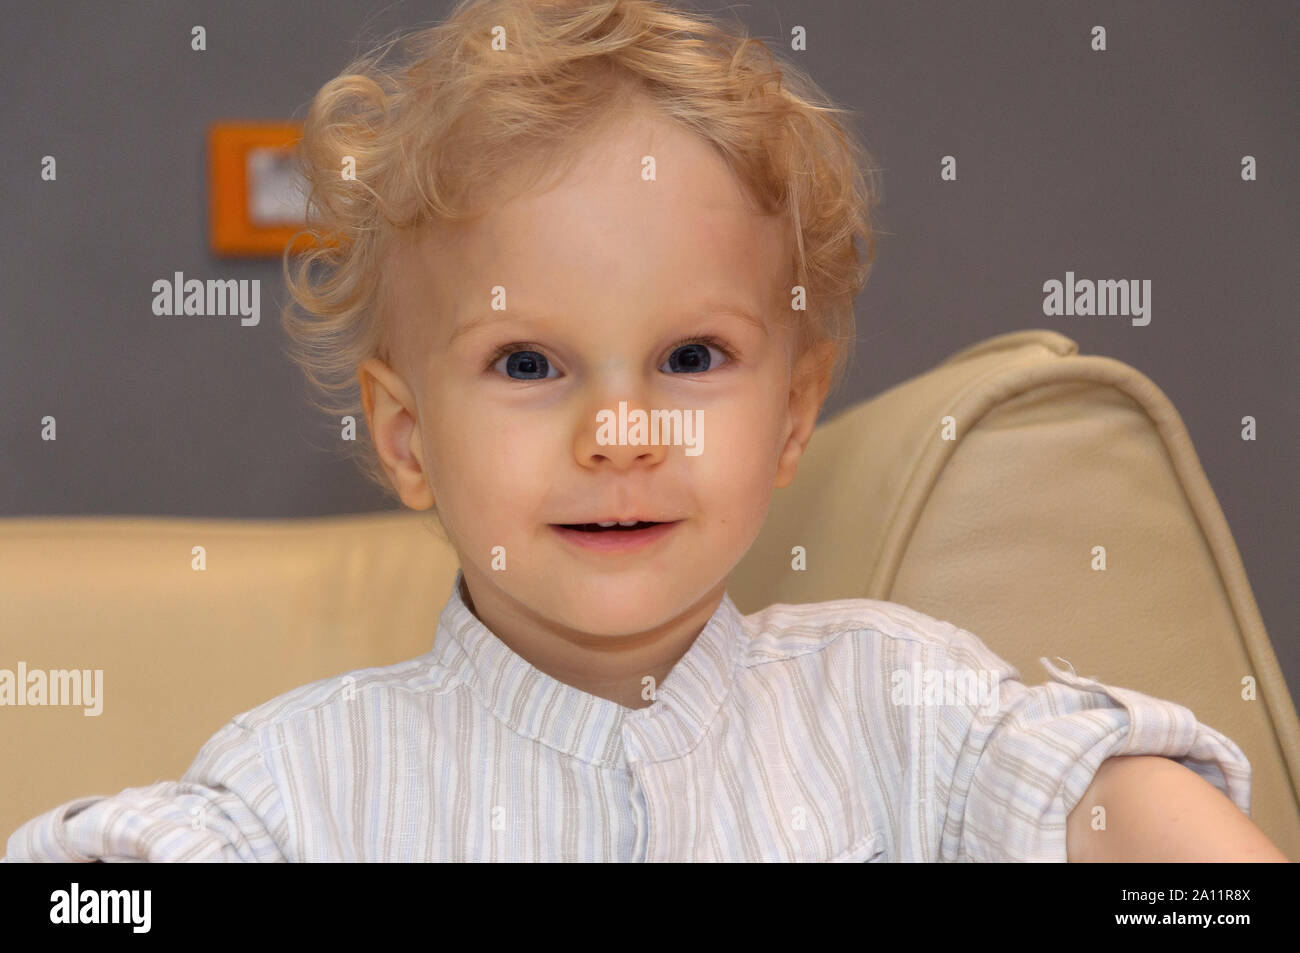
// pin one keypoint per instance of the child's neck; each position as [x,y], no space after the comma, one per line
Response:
[610,667]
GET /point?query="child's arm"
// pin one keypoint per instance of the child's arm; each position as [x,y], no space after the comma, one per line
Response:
[1158,810]
[1017,779]
[226,807]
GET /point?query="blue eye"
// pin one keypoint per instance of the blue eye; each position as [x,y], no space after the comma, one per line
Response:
[523,362]
[693,357]
[530,365]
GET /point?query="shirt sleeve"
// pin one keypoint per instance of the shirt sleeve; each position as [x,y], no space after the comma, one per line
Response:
[1010,772]
[226,807]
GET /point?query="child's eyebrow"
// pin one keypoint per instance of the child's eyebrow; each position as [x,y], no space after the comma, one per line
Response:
[484,320]
[725,310]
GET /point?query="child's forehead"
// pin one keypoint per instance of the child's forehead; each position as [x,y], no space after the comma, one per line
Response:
[624,174]
[442,281]
[585,243]
[646,212]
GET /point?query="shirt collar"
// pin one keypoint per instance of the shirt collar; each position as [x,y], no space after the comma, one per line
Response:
[588,727]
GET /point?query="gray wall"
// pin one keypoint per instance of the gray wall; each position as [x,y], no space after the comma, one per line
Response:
[1113,165]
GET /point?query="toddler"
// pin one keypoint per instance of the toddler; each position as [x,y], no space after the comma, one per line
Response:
[546,217]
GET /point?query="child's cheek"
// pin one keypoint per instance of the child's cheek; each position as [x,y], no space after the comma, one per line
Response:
[737,446]
[517,460]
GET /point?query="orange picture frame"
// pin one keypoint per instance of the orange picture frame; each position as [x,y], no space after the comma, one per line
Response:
[254,203]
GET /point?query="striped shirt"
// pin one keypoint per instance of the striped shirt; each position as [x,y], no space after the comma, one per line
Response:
[850,730]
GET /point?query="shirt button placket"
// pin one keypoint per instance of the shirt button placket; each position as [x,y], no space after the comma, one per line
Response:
[632,749]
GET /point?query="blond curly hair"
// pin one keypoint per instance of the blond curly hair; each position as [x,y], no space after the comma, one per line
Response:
[502,86]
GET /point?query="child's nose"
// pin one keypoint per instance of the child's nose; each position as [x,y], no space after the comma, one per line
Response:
[622,433]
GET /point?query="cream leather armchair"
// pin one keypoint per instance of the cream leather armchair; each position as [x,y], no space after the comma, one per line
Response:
[1051,454]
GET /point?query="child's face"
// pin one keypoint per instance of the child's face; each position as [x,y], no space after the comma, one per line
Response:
[604,276]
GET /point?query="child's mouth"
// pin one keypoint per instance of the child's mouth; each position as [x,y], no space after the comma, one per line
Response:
[616,538]
[602,528]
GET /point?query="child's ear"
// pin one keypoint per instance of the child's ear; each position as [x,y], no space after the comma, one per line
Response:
[394,427]
[810,382]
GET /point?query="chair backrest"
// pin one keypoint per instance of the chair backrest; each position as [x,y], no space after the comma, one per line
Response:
[995,530]
[987,493]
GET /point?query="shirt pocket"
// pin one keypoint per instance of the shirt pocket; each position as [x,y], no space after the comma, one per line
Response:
[870,849]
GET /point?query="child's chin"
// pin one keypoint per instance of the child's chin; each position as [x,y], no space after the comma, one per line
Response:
[624,610]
